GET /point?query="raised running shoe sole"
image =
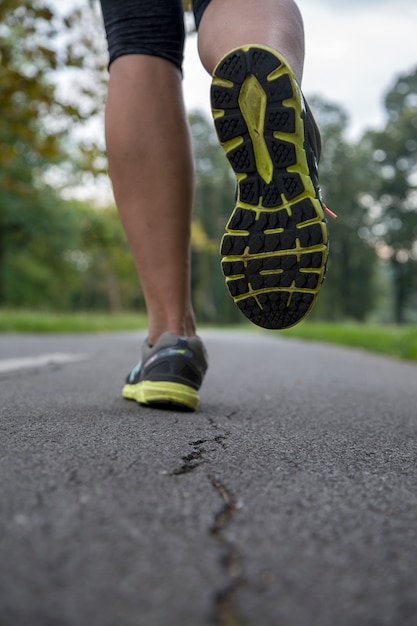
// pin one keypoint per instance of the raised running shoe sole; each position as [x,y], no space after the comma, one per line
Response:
[275,246]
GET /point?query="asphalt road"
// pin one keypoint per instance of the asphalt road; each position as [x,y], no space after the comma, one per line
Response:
[288,499]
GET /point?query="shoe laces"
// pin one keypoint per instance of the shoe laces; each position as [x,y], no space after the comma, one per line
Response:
[329,212]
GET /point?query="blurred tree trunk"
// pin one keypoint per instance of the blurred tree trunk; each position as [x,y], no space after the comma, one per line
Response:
[113,292]
[400,290]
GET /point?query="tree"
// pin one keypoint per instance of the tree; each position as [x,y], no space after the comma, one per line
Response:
[35,270]
[214,199]
[106,277]
[394,206]
[348,291]
[35,224]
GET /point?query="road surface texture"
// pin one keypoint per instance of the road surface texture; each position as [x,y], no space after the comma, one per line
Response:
[288,499]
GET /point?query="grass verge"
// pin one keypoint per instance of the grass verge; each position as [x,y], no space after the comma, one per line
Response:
[43,322]
[396,341]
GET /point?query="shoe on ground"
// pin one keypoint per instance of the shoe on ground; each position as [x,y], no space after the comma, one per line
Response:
[275,246]
[169,373]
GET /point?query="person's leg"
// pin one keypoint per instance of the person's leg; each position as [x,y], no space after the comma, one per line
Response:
[149,153]
[227,24]
[151,167]
[275,246]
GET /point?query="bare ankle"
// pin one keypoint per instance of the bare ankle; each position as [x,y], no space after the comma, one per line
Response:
[183,327]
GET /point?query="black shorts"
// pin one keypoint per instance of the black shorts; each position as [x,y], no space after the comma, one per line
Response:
[154,27]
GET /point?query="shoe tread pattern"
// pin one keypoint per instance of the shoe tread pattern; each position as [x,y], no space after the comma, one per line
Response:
[275,246]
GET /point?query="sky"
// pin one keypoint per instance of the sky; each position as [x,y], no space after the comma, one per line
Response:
[355,49]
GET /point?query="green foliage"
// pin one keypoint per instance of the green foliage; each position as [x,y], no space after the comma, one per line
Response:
[64,255]
[106,279]
[41,235]
[214,199]
[34,270]
[348,291]
[36,44]
[20,320]
[390,340]
[394,199]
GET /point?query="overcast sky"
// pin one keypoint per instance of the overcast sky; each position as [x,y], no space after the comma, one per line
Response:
[354,51]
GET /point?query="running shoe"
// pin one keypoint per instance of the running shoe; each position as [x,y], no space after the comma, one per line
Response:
[169,373]
[275,246]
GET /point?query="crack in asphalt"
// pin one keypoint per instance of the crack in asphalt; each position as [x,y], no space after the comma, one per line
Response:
[196,457]
[191,460]
[224,610]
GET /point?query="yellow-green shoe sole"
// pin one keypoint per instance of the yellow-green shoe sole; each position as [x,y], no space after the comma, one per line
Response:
[275,245]
[162,394]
